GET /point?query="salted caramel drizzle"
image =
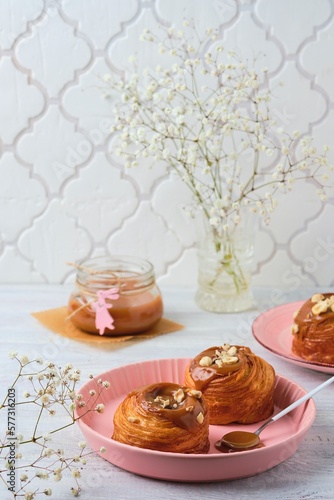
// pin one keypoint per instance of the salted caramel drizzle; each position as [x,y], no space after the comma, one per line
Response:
[202,375]
[323,322]
[165,399]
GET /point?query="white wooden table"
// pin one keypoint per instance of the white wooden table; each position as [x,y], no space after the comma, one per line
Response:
[308,474]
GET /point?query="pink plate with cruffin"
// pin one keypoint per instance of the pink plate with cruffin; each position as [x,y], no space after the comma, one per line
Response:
[272,329]
[281,439]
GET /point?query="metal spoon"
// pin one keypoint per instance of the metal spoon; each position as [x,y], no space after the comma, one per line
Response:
[244,440]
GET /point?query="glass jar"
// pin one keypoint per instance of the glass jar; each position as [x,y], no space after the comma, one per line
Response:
[138,306]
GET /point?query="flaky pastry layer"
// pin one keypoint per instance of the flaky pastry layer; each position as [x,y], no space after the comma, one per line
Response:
[165,417]
[313,329]
[238,387]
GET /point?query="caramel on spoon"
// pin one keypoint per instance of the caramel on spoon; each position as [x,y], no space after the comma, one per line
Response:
[243,440]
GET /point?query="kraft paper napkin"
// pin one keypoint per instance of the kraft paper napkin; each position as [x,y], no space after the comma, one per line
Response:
[55,320]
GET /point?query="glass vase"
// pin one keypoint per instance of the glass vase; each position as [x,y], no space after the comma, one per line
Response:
[225,260]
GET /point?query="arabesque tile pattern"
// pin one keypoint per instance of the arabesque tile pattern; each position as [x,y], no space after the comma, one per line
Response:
[63,194]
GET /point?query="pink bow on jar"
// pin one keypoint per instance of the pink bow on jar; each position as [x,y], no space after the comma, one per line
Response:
[103,318]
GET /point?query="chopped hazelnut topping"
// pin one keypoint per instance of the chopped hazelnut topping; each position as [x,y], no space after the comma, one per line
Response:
[232,351]
[179,396]
[320,307]
[219,363]
[331,300]
[189,408]
[294,328]
[230,360]
[205,361]
[228,355]
[295,314]
[317,297]
[196,394]
[200,418]
[162,401]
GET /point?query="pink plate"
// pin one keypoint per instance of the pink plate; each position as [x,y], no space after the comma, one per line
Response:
[272,329]
[281,439]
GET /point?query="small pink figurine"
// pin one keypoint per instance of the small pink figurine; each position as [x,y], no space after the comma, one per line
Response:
[103,318]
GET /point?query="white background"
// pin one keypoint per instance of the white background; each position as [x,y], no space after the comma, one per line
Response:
[62,197]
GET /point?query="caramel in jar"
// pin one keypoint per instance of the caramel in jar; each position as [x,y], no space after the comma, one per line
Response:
[139,305]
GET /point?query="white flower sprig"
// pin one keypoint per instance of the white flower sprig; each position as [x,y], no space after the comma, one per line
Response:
[208,116]
[49,391]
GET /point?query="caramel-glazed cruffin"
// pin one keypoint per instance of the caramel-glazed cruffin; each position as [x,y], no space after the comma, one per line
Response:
[237,385]
[313,329]
[163,416]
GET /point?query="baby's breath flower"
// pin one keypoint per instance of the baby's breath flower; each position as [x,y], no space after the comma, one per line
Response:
[29,495]
[217,132]
[99,408]
[50,387]
[42,475]
[214,221]
[24,360]
[45,399]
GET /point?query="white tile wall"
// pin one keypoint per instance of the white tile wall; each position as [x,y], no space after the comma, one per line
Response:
[62,195]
